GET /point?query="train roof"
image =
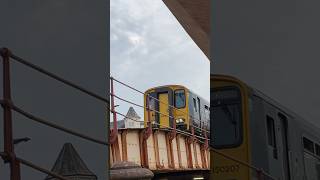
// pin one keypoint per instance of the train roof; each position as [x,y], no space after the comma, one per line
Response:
[297,118]
[181,86]
[162,86]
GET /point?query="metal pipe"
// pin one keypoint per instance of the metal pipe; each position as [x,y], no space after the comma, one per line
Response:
[47,123]
[43,71]
[29,164]
[7,117]
[115,124]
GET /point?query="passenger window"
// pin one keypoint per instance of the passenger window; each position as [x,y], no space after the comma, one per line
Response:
[317,150]
[271,132]
[195,104]
[199,106]
[206,112]
[308,145]
[272,136]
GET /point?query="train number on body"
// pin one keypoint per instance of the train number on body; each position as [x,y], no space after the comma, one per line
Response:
[226,169]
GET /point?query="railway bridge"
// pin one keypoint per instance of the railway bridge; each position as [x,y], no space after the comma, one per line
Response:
[164,150]
[160,152]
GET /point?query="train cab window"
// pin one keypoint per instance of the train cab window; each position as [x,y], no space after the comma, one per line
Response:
[179,98]
[308,145]
[225,117]
[152,102]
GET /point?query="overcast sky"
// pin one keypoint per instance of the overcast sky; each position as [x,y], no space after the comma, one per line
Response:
[150,48]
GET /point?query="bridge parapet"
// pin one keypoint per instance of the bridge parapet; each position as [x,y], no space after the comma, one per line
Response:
[160,152]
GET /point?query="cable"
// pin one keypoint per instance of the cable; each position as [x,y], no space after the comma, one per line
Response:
[69,83]
[29,164]
[178,130]
[241,162]
[112,78]
[47,123]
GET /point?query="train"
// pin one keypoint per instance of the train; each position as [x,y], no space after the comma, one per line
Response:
[177,103]
[251,127]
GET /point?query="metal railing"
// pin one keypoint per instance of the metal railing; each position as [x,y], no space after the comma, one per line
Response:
[9,154]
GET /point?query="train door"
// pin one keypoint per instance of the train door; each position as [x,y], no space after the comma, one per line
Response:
[164,110]
[276,155]
[199,111]
[285,149]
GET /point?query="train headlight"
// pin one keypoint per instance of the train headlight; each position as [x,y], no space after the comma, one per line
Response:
[179,120]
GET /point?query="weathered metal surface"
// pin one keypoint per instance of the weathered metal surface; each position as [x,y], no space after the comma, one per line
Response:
[128,170]
[158,153]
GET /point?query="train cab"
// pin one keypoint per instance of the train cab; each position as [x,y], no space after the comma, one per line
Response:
[177,103]
[252,136]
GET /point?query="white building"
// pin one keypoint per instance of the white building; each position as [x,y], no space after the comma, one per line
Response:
[132,120]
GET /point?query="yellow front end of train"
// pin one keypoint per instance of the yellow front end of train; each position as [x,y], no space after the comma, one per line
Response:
[167,104]
[229,128]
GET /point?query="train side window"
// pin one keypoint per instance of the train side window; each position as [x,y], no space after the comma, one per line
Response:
[308,145]
[271,132]
[206,112]
[272,136]
[194,104]
[199,106]
[317,146]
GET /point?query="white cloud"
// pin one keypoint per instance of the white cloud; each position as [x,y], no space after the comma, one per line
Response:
[150,48]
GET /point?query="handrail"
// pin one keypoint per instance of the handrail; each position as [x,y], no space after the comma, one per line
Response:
[58,78]
[178,130]
[9,154]
[53,125]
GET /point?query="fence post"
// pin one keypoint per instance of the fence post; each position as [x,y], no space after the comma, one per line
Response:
[114,133]
[260,174]
[7,117]
[149,125]
[115,124]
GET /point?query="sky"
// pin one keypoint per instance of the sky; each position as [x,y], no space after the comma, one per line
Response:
[68,38]
[273,46]
[150,48]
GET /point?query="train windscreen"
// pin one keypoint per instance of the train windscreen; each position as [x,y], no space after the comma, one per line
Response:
[225,117]
[179,98]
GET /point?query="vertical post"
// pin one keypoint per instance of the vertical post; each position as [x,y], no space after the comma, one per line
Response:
[115,124]
[174,130]
[206,139]
[260,174]
[149,126]
[7,117]
[114,132]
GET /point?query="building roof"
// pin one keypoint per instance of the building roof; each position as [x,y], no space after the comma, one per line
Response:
[70,164]
[120,124]
[132,114]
